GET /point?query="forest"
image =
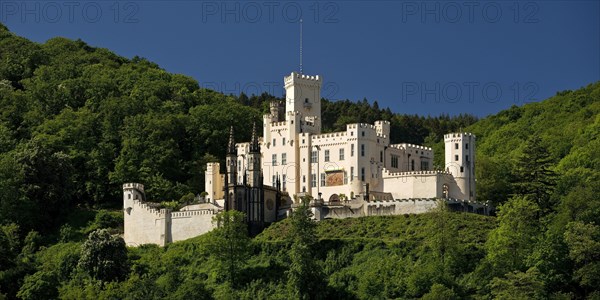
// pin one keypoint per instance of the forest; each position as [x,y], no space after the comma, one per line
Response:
[78,121]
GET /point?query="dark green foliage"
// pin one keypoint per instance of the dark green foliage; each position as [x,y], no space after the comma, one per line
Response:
[77,121]
[104,256]
[305,278]
[533,174]
[230,246]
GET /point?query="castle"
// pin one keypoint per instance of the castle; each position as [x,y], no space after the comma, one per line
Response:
[352,173]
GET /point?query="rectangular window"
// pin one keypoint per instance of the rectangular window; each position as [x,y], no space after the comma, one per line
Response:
[467,158]
[239,165]
[351,173]
[274,159]
[456,157]
[326,155]
[345,177]
[394,161]
[274,142]
[467,146]
[284,158]
[362,174]
[362,133]
[352,150]
[342,154]
[362,149]
[283,141]
[322,179]
[313,157]
[455,145]
[380,156]
[283,183]
[274,179]
[303,178]
[313,180]
[424,165]
[462,169]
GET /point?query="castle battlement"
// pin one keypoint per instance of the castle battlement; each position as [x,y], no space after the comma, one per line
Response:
[387,172]
[150,208]
[328,135]
[457,135]
[294,76]
[137,186]
[190,213]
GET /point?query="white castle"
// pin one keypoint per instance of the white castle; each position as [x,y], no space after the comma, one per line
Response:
[352,173]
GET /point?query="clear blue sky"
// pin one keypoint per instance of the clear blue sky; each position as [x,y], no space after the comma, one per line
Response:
[415,57]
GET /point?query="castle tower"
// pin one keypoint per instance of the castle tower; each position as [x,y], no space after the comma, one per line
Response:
[303,95]
[460,162]
[254,161]
[231,160]
[275,109]
[132,192]
[213,184]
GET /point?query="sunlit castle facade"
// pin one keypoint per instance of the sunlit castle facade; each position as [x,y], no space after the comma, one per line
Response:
[352,173]
[359,163]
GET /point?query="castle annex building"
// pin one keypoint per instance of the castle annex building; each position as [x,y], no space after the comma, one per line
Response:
[352,173]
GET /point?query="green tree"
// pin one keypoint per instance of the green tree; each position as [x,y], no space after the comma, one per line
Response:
[104,256]
[583,240]
[40,285]
[509,245]
[519,286]
[305,276]
[230,245]
[534,174]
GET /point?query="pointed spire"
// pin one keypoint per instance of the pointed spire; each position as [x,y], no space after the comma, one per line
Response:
[254,147]
[231,144]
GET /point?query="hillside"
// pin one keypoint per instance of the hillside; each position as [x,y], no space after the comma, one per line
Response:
[77,121]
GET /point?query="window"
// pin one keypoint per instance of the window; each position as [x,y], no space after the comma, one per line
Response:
[351,173]
[456,157]
[283,141]
[342,154]
[345,177]
[466,158]
[313,180]
[302,141]
[412,165]
[274,159]
[304,189]
[239,165]
[362,133]
[274,179]
[313,157]
[322,179]
[380,156]
[467,146]
[424,165]
[455,145]
[394,161]
[303,178]
[352,150]
[284,158]
[462,169]
[274,144]
[129,196]
[351,133]
[362,149]
[362,174]
[326,155]
[283,183]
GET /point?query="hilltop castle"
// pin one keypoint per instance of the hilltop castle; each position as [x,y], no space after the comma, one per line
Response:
[352,173]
